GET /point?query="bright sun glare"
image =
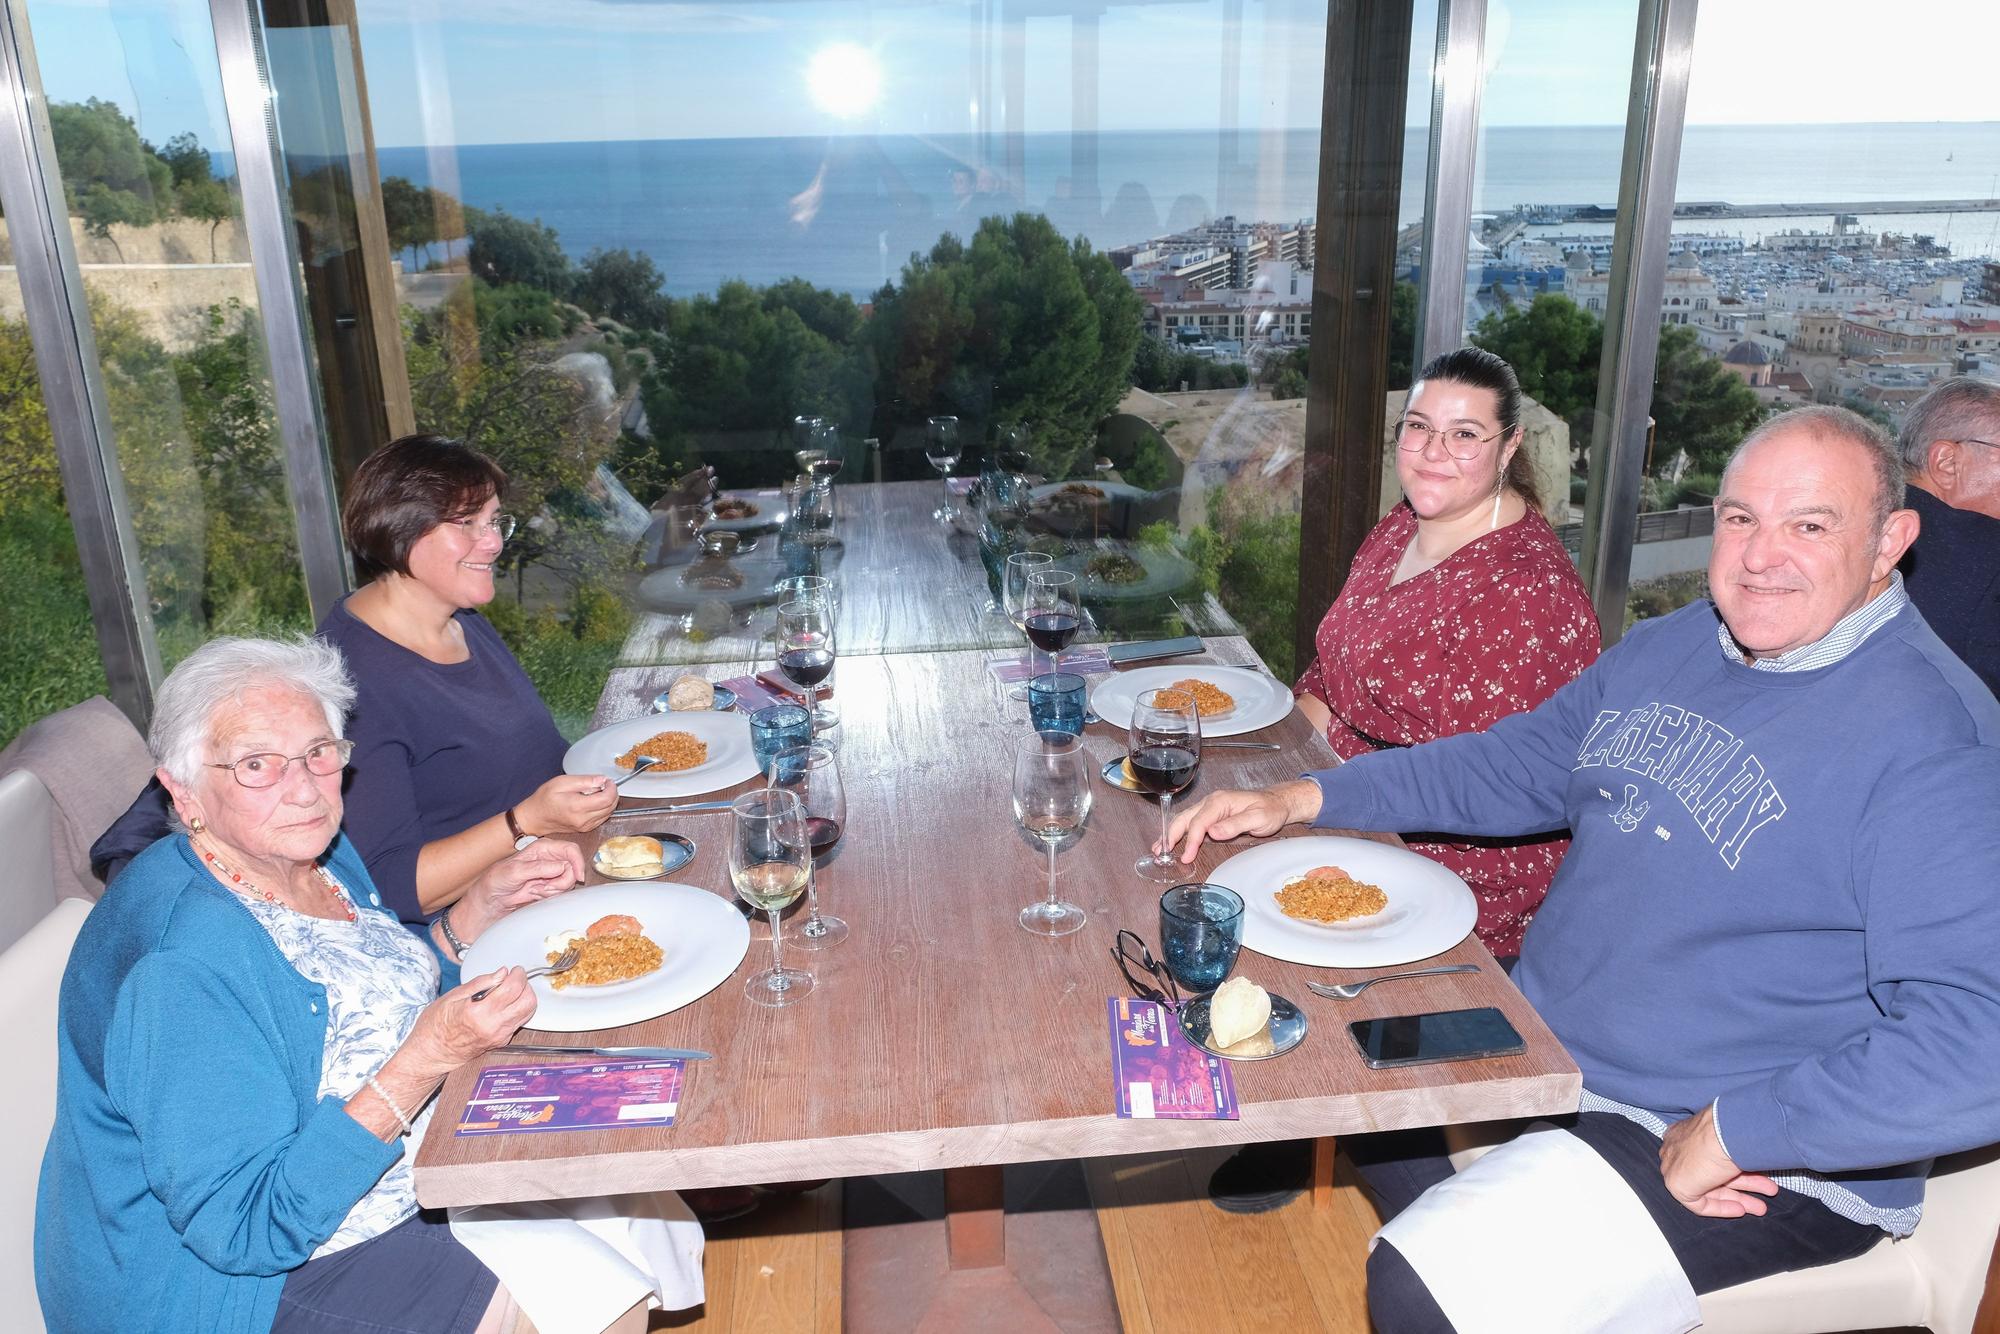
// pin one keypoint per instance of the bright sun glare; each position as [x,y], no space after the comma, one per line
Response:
[845,80]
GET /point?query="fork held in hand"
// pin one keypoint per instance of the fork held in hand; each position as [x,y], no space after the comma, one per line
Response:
[564,962]
[1349,990]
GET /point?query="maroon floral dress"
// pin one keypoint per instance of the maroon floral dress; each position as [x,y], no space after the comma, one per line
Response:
[1495,628]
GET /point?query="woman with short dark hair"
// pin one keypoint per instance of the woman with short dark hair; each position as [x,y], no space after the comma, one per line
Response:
[456,758]
[1460,608]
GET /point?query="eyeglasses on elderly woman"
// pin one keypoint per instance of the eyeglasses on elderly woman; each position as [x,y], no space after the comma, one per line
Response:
[268,768]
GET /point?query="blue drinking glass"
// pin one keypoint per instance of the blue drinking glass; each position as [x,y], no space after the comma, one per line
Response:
[1201,933]
[778,727]
[1055,703]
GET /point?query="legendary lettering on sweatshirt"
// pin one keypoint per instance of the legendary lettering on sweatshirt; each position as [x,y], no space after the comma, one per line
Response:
[1700,762]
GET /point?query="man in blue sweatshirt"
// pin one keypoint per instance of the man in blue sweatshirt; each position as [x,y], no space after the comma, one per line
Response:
[1771,948]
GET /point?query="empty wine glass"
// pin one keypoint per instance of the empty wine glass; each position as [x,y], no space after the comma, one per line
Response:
[1051,801]
[1051,615]
[1014,595]
[941,447]
[770,860]
[1166,752]
[814,775]
[805,650]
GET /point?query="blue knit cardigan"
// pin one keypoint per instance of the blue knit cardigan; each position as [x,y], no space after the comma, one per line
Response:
[193,1163]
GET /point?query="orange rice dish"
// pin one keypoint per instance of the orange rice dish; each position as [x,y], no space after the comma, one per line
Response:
[607,957]
[1208,700]
[673,750]
[1327,894]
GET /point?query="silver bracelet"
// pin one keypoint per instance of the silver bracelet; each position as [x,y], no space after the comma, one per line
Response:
[451,936]
[390,1103]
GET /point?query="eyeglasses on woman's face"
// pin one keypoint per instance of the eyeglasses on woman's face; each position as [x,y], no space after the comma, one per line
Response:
[268,768]
[1461,442]
[500,525]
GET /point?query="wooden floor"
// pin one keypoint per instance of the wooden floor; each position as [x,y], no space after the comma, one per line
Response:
[776,1271]
[1180,1264]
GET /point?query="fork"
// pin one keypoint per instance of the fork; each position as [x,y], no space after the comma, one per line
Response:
[564,962]
[645,762]
[1349,990]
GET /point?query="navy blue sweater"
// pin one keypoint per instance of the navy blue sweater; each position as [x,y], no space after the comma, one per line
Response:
[1783,897]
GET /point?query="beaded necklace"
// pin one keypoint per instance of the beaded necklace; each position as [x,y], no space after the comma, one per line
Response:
[236,881]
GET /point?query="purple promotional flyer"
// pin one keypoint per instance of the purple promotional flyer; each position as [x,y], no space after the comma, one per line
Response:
[1156,1073]
[511,1098]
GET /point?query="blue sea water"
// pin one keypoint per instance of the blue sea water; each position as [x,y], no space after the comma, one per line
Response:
[848,212]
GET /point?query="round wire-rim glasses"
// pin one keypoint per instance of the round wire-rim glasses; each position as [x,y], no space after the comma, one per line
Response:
[1460,443]
[268,768]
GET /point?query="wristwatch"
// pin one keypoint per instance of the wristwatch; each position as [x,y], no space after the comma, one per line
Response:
[458,946]
[521,838]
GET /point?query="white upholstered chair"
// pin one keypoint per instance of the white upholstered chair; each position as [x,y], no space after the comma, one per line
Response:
[1937,1278]
[27,822]
[30,973]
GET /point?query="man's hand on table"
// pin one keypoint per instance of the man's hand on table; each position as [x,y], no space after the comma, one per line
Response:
[1701,1175]
[1227,814]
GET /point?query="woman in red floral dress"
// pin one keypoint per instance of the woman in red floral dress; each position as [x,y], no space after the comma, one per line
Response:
[1460,608]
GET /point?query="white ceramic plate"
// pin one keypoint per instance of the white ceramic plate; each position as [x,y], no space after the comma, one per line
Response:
[1430,909]
[1260,699]
[730,760]
[770,513]
[703,935]
[1165,574]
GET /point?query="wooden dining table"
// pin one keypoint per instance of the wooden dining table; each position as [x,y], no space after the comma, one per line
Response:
[942,1035]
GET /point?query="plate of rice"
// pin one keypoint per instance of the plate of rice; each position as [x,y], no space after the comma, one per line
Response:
[657,946]
[1346,902]
[694,753]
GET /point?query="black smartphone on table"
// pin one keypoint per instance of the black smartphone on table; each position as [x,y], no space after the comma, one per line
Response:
[1120,654]
[1443,1035]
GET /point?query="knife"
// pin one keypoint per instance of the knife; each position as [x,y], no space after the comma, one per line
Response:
[636,1053]
[682,809]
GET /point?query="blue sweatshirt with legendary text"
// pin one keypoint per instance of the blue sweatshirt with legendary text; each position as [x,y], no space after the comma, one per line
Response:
[1783,896]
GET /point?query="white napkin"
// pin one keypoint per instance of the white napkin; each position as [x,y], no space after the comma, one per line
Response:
[574,1266]
[1545,1218]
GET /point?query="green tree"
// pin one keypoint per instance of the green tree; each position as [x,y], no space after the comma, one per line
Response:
[1019,325]
[834,316]
[100,153]
[507,249]
[28,475]
[205,200]
[516,312]
[411,214]
[1698,405]
[103,208]
[1402,334]
[187,160]
[624,285]
[736,372]
[1554,346]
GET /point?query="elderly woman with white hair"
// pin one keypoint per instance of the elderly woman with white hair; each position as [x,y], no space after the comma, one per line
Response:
[247,1041]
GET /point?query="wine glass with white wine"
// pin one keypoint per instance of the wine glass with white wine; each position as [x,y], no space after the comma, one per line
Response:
[1051,801]
[770,860]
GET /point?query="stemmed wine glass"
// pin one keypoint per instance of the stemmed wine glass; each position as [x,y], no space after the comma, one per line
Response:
[807,434]
[1050,613]
[814,774]
[1051,801]
[1014,595]
[805,650]
[770,860]
[1166,752]
[941,447]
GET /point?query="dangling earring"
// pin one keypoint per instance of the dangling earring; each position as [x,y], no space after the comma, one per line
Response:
[1499,489]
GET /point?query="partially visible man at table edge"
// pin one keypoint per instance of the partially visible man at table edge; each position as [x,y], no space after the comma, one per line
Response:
[1770,947]
[1951,456]
[1460,608]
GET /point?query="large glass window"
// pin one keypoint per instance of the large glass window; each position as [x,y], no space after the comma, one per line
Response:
[142,149]
[48,657]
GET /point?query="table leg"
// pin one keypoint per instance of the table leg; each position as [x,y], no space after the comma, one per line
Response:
[1322,1177]
[975,1226]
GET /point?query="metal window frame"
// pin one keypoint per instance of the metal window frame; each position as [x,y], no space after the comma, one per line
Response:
[267,220]
[1641,244]
[58,316]
[1458,78]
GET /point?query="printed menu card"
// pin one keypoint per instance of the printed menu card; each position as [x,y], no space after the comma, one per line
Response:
[1157,1073]
[588,1096]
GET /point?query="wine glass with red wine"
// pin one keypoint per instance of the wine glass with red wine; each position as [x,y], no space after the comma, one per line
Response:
[805,647]
[1050,612]
[1166,753]
[814,774]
